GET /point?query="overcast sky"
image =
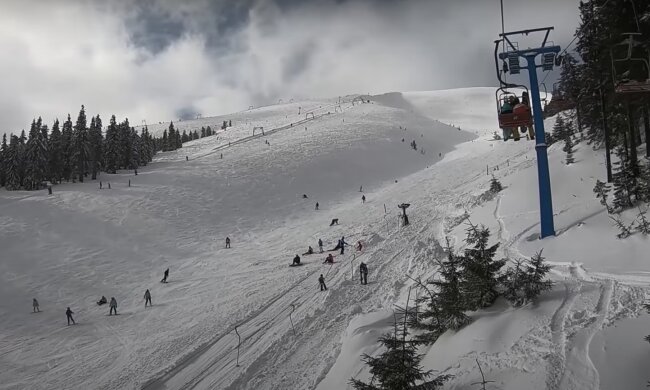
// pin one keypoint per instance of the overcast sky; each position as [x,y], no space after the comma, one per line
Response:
[160,60]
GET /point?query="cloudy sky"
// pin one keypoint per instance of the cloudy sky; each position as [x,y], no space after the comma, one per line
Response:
[160,60]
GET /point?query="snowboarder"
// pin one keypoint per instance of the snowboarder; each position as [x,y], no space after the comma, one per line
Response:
[296,260]
[363,199]
[359,246]
[113,306]
[329,259]
[102,301]
[320,245]
[304,196]
[363,273]
[35,306]
[147,298]
[335,221]
[317,206]
[227,242]
[164,279]
[321,280]
[310,251]
[68,314]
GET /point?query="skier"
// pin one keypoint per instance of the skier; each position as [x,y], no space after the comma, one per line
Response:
[310,251]
[329,259]
[35,306]
[321,280]
[363,199]
[343,244]
[164,279]
[113,306]
[147,298]
[100,185]
[68,314]
[227,242]
[304,196]
[296,260]
[317,206]
[335,221]
[320,245]
[359,246]
[363,273]
[102,301]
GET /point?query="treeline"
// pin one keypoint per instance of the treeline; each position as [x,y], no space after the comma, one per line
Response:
[589,80]
[74,151]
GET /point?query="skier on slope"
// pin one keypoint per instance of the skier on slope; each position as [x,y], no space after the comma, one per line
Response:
[113,306]
[363,199]
[343,244]
[320,245]
[363,273]
[321,281]
[296,260]
[227,242]
[317,205]
[329,259]
[35,306]
[147,298]
[164,279]
[68,314]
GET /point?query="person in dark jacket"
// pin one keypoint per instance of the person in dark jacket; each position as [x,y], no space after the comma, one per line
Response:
[68,314]
[363,273]
[329,259]
[113,306]
[310,251]
[343,244]
[102,301]
[317,205]
[320,245]
[363,199]
[227,242]
[147,298]
[164,279]
[35,306]
[321,280]
[296,260]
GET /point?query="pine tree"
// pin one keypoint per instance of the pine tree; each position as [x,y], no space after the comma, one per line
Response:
[4,150]
[184,137]
[67,148]
[81,145]
[568,149]
[14,164]
[513,280]
[480,270]
[179,143]
[35,159]
[495,185]
[55,145]
[642,224]
[196,134]
[624,231]
[96,141]
[450,297]
[602,190]
[559,129]
[111,147]
[124,148]
[208,131]
[399,367]
[624,183]
[203,131]
[171,137]
[165,146]
[135,149]
[535,281]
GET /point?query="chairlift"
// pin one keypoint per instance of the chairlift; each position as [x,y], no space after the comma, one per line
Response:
[631,66]
[521,115]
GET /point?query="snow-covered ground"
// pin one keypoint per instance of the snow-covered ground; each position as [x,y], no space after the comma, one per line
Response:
[70,248]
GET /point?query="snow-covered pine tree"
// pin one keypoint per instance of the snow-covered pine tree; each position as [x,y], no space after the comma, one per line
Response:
[624,230]
[4,150]
[642,224]
[209,131]
[111,147]
[179,142]
[399,366]
[559,128]
[203,131]
[196,134]
[535,281]
[135,149]
[184,137]
[601,189]
[512,282]
[125,144]
[495,185]
[171,137]
[32,175]
[624,183]
[55,146]
[568,149]
[81,145]
[480,269]
[67,148]
[96,142]
[165,146]
[14,164]
[450,297]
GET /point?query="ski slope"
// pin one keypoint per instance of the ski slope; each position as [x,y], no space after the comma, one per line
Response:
[70,248]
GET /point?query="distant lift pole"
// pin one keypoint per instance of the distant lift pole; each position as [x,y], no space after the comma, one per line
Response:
[548,54]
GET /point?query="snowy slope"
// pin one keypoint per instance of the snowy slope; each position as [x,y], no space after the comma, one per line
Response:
[177,213]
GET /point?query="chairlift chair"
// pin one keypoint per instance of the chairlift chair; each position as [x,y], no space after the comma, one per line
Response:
[631,71]
[520,117]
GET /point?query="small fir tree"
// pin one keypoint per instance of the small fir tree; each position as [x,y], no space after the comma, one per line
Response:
[568,149]
[601,189]
[495,185]
[535,281]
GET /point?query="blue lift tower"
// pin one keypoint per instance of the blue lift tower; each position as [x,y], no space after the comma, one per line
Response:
[510,55]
